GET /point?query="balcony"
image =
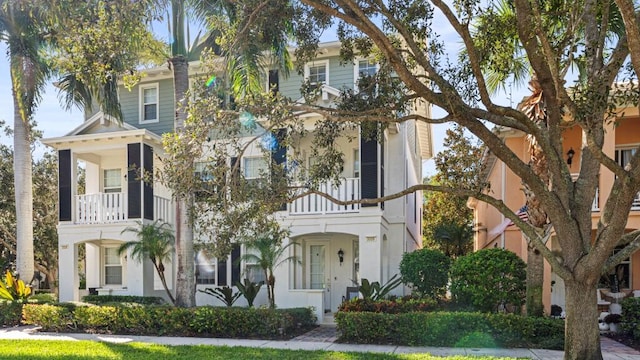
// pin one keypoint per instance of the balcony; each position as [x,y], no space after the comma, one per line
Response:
[348,189]
[105,208]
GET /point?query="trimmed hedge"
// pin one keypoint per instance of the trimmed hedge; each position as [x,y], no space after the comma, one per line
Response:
[10,313]
[450,329]
[166,320]
[398,306]
[630,322]
[109,299]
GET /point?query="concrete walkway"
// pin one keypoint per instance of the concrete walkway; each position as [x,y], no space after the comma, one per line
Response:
[612,350]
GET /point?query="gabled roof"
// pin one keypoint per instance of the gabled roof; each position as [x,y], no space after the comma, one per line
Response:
[102,127]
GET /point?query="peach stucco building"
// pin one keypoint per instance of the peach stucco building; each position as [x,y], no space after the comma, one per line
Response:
[621,141]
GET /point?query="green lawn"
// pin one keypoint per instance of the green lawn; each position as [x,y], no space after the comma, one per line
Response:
[45,349]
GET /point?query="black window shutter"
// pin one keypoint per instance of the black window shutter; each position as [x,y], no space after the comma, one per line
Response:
[279,157]
[222,272]
[235,264]
[134,183]
[369,169]
[64,184]
[147,159]
[274,81]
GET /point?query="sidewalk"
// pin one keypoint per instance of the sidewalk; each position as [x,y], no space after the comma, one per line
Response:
[317,341]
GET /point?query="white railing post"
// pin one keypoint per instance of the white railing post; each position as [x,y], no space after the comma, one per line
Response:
[349,189]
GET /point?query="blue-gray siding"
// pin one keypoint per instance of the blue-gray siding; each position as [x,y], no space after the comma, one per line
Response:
[130,102]
[340,77]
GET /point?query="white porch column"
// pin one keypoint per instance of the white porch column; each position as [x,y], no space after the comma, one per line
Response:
[371,256]
[68,279]
[92,265]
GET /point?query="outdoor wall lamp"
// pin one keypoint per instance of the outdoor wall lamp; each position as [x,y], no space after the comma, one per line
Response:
[341,256]
[570,154]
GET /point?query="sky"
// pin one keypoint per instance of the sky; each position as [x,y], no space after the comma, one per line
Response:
[54,121]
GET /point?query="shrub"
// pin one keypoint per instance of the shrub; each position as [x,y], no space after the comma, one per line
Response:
[166,320]
[10,313]
[488,278]
[12,288]
[397,306]
[476,339]
[50,317]
[374,291]
[630,321]
[43,298]
[449,329]
[426,271]
[102,299]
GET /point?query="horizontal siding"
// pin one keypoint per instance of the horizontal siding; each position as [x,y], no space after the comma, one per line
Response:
[340,77]
[130,102]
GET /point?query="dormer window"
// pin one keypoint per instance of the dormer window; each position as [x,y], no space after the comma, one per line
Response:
[149,103]
[317,73]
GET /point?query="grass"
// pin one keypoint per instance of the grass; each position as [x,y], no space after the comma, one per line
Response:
[47,349]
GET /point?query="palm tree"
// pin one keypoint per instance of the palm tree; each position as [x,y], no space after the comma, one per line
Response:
[155,242]
[21,29]
[269,255]
[453,239]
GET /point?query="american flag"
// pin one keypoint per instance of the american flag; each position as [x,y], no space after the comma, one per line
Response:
[522,214]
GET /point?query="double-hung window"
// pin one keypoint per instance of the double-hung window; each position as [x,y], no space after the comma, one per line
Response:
[112,266]
[364,68]
[317,73]
[220,272]
[254,168]
[149,103]
[112,180]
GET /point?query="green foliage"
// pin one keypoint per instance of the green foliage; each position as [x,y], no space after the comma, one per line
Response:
[101,299]
[426,271]
[10,313]
[397,306]
[224,294]
[155,242]
[12,288]
[488,278]
[449,329]
[43,298]
[165,320]
[249,290]
[374,291]
[50,317]
[270,254]
[630,315]
[476,339]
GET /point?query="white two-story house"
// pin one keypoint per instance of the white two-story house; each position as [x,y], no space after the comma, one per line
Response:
[338,244]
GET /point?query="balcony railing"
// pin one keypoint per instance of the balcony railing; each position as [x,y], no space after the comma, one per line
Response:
[348,189]
[101,208]
[104,208]
[636,202]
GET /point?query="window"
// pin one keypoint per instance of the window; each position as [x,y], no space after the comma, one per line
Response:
[356,163]
[623,156]
[619,277]
[112,267]
[220,272]
[364,68]
[148,103]
[205,269]
[255,273]
[254,167]
[112,180]
[317,72]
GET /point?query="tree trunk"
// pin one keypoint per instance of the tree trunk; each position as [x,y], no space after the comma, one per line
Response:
[22,168]
[186,281]
[535,281]
[582,336]
[164,282]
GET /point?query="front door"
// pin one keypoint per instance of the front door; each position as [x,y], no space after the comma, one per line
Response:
[319,271]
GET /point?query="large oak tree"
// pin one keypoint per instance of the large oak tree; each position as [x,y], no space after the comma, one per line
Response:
[551,35]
